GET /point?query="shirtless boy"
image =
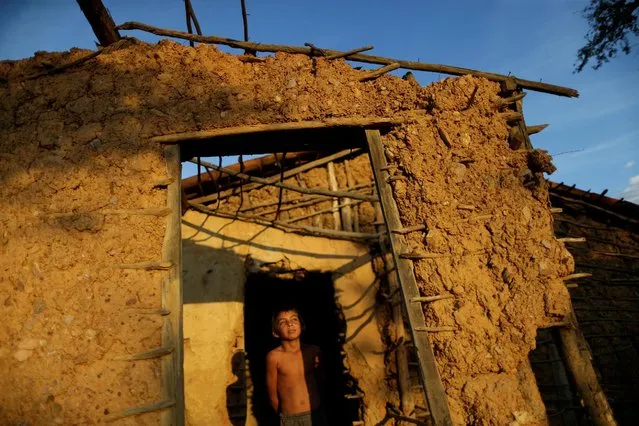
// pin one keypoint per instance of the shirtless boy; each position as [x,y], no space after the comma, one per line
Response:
[292,370]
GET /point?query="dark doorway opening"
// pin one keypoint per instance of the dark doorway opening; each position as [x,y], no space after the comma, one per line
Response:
[555,384]
[314,297]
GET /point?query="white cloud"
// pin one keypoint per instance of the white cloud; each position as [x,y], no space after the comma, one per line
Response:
[631,193]
[630,164]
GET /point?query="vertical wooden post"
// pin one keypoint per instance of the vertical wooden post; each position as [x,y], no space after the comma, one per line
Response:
[172,330]
[401,355]
[332,185]
[578,361]
[100,20]
[435,394]
[349,213]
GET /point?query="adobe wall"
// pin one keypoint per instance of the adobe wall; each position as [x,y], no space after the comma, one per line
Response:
[606,304]
[76,144]
[214,254]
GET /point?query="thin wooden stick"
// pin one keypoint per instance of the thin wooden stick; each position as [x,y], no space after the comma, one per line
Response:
[409,229]
[556,210]
[536,128]
[589,205]
[419,66]
[245,20]
[511,116]
[332,185]
[414,255]
[188,21]
[577,275]
[427,299]
[465,207]
[572,240]
[287,174]
[117,45]
[153,353]
[379,72]
[435,329]
[328,233]
[510,100]
[627,256]
[296,203]
[323,211]
[315,191]
[194,19]
[276,127]
[147,266]
[133,411]
[349,52]
[353,210]
[444,136]
[471,99]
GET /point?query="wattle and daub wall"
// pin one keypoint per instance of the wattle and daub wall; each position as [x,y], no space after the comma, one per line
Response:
[75,152]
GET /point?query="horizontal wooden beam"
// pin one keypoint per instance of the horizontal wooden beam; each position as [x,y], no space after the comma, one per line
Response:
[369,59]
[367,122]
[294,188]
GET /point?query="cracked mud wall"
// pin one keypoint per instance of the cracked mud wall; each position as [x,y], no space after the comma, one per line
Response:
[75,145]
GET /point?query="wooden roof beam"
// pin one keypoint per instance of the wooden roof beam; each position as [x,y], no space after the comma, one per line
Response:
[100,20]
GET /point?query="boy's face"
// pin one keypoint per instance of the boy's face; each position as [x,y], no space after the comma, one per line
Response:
[288,325]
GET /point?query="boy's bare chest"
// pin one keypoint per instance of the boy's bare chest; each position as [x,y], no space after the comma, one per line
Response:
[295,365]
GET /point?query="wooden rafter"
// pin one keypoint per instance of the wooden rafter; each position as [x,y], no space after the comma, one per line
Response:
[100,20]
[369,59]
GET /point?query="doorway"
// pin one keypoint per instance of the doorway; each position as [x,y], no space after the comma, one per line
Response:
[324,326]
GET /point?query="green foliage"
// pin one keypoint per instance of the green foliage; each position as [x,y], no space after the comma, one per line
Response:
[611,22]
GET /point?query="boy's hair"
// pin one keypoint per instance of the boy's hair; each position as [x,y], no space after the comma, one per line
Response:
[285,308]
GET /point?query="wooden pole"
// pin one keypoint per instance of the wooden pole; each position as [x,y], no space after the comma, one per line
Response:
[289,173]
[401,353]
[172,329]
[244,20]
[304,230]
[276,127]
[100,20]
[350,52]
[435,393]
[354,210]
[332,185]
[578,361]
[189,28]
[379,72]
[315,191]
[370,59]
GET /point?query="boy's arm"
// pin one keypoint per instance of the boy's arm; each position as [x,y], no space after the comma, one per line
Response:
[271,380]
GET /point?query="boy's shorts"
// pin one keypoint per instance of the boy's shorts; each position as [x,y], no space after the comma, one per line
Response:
[309,418]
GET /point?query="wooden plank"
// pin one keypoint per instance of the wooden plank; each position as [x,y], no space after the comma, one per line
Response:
[172,330]
[435,394]
[100,20]
[274,127]
[359,57]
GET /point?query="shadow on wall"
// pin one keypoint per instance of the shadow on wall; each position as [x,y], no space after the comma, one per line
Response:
[218,275]
[203,278]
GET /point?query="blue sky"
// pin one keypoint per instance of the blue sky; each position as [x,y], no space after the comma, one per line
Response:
[594,138]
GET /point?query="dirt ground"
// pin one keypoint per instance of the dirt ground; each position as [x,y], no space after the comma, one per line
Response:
[75,145]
